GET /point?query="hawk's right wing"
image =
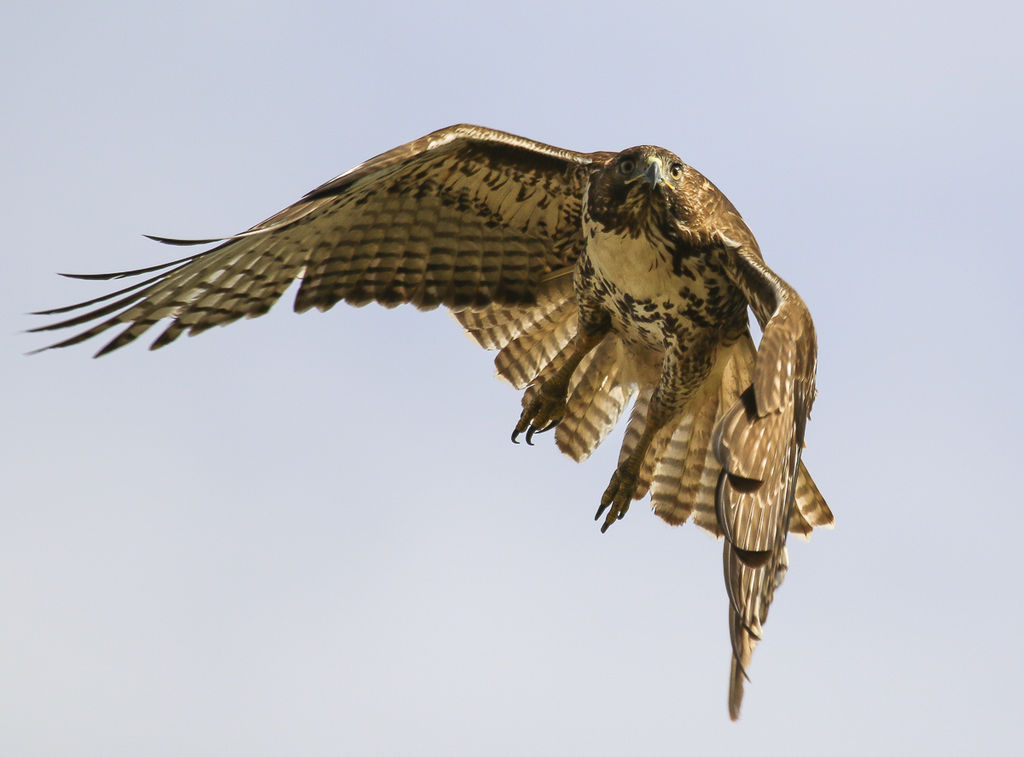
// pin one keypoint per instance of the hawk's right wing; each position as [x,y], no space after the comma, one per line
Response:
[464,217]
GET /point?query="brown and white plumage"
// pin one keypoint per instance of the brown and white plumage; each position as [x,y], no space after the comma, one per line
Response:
[600,278]
[758,442]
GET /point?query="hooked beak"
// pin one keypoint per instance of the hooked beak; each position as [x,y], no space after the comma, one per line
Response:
[654,174]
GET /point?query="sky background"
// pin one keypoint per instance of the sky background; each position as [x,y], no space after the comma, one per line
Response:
[311,535]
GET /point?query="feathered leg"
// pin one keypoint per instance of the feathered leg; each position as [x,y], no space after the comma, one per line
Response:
[680,378]
[547,407]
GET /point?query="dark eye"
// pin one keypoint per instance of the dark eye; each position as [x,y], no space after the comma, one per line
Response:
[627,166]
[676,170]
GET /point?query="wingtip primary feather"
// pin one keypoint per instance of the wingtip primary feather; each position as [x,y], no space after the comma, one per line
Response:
[175,242]
[736,678]
[116,275]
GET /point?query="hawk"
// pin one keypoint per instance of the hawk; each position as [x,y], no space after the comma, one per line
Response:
[598,277]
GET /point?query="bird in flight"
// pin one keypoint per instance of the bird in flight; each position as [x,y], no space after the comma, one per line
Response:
[599,278]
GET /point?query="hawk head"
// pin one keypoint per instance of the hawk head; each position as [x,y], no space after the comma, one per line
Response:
[642,188]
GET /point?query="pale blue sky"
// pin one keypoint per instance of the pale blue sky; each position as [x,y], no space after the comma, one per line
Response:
[311,535]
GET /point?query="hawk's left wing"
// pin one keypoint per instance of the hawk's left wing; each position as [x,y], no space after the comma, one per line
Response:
[758,442]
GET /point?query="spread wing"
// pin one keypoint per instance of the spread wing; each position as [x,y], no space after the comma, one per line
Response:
[464,217]
[758,442]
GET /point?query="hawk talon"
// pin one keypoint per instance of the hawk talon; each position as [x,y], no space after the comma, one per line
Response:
[534,430]
[617,496]
[542,414]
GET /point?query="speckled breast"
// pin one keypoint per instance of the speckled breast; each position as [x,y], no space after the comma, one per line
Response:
[633,279]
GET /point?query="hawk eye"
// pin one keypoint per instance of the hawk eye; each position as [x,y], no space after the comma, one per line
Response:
[627,166]
[676,170]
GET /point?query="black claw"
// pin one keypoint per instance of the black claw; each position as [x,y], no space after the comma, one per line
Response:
[515,433]
[547,427]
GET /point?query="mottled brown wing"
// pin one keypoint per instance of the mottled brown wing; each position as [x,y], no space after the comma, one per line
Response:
[758,442]
[464,217]
[683,472]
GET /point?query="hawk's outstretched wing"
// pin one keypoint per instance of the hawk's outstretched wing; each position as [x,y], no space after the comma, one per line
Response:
[463,217]
[758,442]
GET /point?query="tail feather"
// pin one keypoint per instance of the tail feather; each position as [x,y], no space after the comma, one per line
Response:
[634,430]
[809,507]
[687,472]
[599,392]
[636,423]
[525,357]
[681,468]
[494,326]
